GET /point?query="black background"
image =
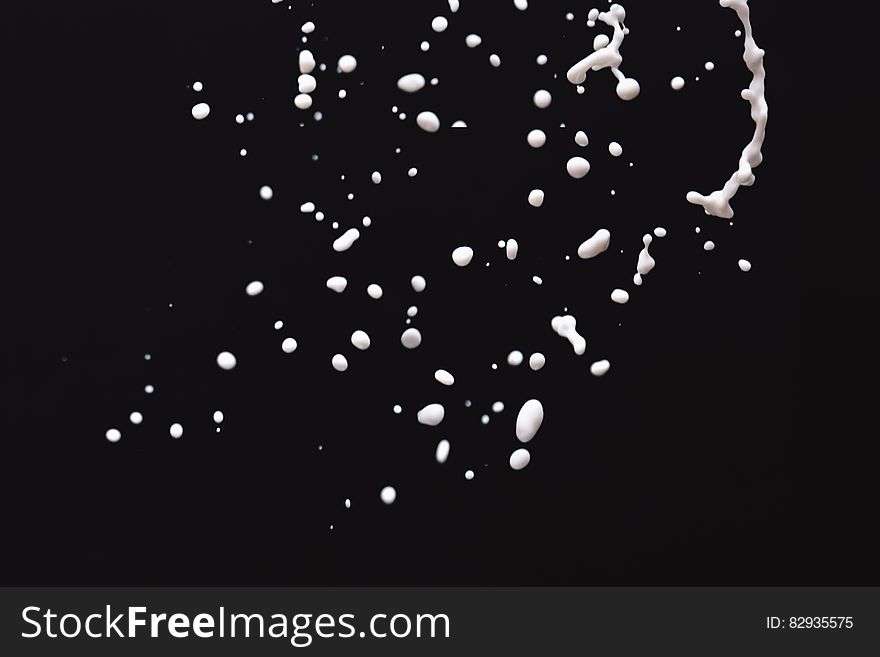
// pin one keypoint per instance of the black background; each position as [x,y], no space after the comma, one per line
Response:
[722,448]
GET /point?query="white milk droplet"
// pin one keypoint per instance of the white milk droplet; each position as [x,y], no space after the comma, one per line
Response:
[542,99]
[198,86]
[620,296]
[218,417]
[646,262]
[176,430]
[360,340]
[511,249]
[339,363]
[306,62]
[597,244]
[428,121]
[462,256]
[307,208]
[113,435]
[308,27]
[431,415]
[374,291]
[522,5]
[745,265]
[469,475]
[600,368]
[344,241]
[473,40]
[537,361]
[709,66]
[418,283]
[453,5]
[397,409]
[529,420]
[266,193]
[347,63]
[337,283]
[200,111]
[288,345]
[677,83]
[581,139]
[615,149]
[444,377]
[388,495]
[226,360]
[439,24]
[708,245]
[520,459]
[536,198]
[302,101]
[411,82]
[442,451]
[411,338]
[136,417]
[565,327]
[494,60]
[515,358]
[536,138]
[541,60]
[254,288]
[659,231]
[577,167]
[498,407]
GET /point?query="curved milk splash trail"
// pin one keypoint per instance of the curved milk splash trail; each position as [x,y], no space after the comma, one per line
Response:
[718,202]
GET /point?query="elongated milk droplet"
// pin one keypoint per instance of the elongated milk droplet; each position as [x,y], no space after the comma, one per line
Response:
[428,121]
[529,420]
[442,452]
[620,296]
[566,327]
[600,368]
[344,241]
[431,415]
[444,377]
[597,244]
[411,82]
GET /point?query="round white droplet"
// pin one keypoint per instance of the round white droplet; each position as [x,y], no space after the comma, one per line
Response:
[615,149]
[254,288]
[620,296]
[536,138]
[339,362]
[628,89]
[745,265]
[529,420]
[226,360]
[288,345]
[462,256]
[677,83]
[577,167]
[494,60]
[412,172]
[135,417]
[541,60]
[418,283]
[176,430]
[522,5]
[411,82]
[148,389]
[424,46]
[709,66]
[308,27]
[266,192]
[600,368]
[473,40]
[431,415]
[113,435]
[439,24]
[469,475]
[536,361]
[659,231]
[411,338]
[376,177]
[306,83]
[536,198]
[542,99]
[302,101]
[520,458]
[200,111]
[360,340]
[497,407]
[428,121]
[347,63]
[515,358]
[444,377]
[581,139]
[442,451]
[337,284]
[388,495]
[374,291]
